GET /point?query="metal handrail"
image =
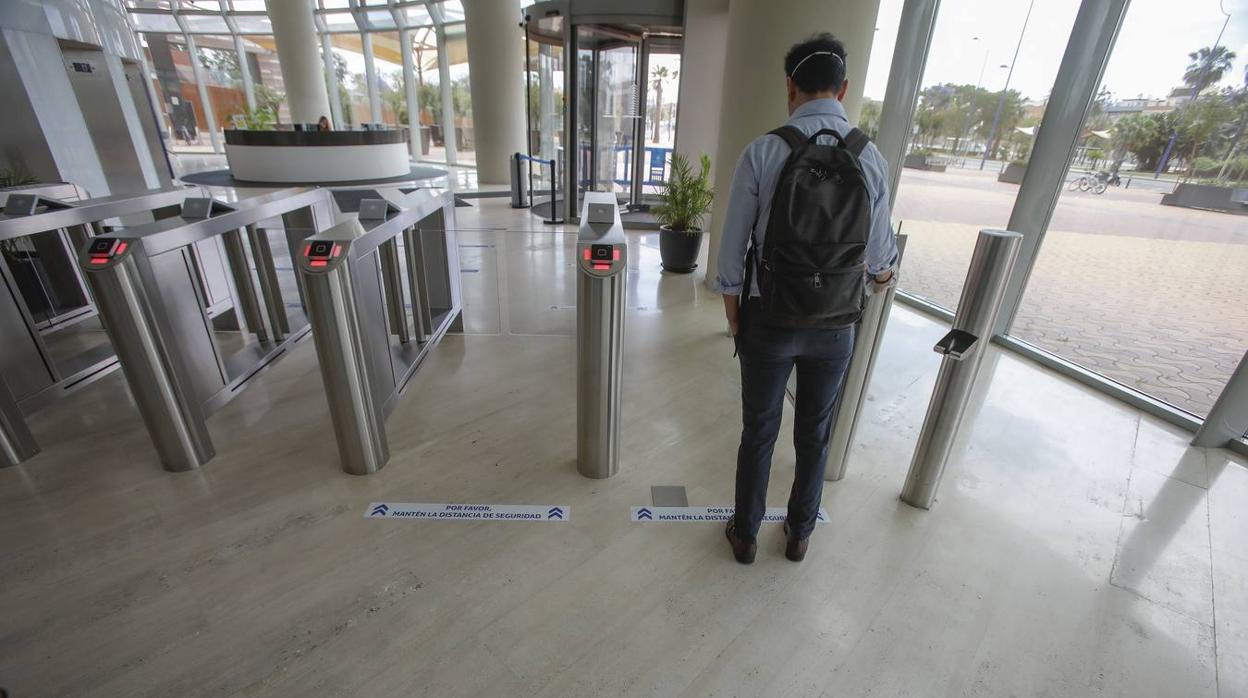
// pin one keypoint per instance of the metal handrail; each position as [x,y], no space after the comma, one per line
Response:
[91,211]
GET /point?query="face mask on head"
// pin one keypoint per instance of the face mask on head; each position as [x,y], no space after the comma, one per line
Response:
[816,53]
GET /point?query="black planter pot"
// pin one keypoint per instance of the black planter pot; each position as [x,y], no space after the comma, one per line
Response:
[679,249]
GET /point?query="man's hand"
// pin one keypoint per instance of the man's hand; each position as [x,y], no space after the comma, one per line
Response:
[879,283]
[732,311]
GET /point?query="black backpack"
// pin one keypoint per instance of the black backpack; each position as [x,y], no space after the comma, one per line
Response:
[811,273]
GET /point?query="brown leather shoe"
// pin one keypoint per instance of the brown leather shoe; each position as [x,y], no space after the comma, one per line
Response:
[742,549]
[795,549]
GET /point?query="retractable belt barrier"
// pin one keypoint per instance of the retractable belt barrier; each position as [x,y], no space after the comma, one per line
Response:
[357,300]
[43,293]
[521,197]
[165,292]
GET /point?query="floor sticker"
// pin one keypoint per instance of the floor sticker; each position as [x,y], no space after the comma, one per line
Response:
[668,514]
[468,512]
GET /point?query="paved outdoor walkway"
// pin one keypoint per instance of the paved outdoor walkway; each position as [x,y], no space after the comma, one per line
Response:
[1135,301]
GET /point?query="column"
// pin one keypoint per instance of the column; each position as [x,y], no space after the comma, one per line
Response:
[444,89]
[244,67]
[335,101]
[409,94]
[753,76]
[294,31]
[496,65]
[370,76]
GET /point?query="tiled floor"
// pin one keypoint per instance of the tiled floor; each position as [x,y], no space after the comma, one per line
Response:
[1077,547]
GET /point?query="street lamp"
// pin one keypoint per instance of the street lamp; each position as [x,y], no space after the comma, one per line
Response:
[996,119]
[970,111]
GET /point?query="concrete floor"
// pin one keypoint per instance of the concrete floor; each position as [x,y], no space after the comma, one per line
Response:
[1077,548]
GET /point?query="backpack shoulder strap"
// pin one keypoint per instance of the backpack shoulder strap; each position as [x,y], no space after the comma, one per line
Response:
[856,141]
[792,135]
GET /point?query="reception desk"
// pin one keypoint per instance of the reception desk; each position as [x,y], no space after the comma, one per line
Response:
[286,157]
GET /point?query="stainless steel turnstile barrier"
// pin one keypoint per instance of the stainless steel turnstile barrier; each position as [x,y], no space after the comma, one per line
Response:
[52,342]
[867,336]
[44,297]
[372,331]
[189,342]
[16,442]
[601,289]
[963,348]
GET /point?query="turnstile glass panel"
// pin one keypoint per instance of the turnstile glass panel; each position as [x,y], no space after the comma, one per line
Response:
[43,269]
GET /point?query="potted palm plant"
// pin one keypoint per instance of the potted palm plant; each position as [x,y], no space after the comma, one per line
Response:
[686,198]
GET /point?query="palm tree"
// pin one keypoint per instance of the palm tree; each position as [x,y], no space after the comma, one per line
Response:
[1207,67]
[660,73]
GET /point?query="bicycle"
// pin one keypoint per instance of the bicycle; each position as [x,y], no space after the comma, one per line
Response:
[1097,184]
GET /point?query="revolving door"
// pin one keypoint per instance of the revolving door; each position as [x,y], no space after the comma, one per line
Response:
[615,130]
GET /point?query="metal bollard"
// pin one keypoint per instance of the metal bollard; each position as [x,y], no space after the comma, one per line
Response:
[601,256]
[519,182]
[963,349]
[17,444]
[172,415]
[358,422]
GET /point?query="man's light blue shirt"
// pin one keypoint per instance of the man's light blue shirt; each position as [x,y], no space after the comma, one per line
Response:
[749,200]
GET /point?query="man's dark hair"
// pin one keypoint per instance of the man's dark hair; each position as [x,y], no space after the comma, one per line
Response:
[814,71]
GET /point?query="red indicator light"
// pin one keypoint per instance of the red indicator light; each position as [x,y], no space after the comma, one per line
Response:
[615,255]
[99,260]
[337,250]
[307,251]
[602,267]
[586,254]
[318,262]
[121,247]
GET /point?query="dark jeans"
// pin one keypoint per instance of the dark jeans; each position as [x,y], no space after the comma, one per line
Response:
[768,355]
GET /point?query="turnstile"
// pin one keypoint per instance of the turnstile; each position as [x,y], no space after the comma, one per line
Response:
[52,341]
[601,289]
[187,344]
[868,333]
[372,330]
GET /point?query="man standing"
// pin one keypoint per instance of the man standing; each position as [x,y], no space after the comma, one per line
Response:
[806,236]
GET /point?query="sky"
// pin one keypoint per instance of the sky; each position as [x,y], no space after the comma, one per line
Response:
[1149,55]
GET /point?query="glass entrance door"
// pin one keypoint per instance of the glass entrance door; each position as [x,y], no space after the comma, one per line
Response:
[658,128]
[608,113]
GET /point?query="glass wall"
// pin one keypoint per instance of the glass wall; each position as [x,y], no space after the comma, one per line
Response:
[1143,274]
[181,112]
[545,83]
[977,109]
[461,96]
[352,80]
[388,64]
[213,25]
[266,76]
[223,77]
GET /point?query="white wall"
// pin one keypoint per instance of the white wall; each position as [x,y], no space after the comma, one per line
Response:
[702,79]
[37,59]
[52,138]
[98,22]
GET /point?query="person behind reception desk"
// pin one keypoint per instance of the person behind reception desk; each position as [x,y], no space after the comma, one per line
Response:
[323,124]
